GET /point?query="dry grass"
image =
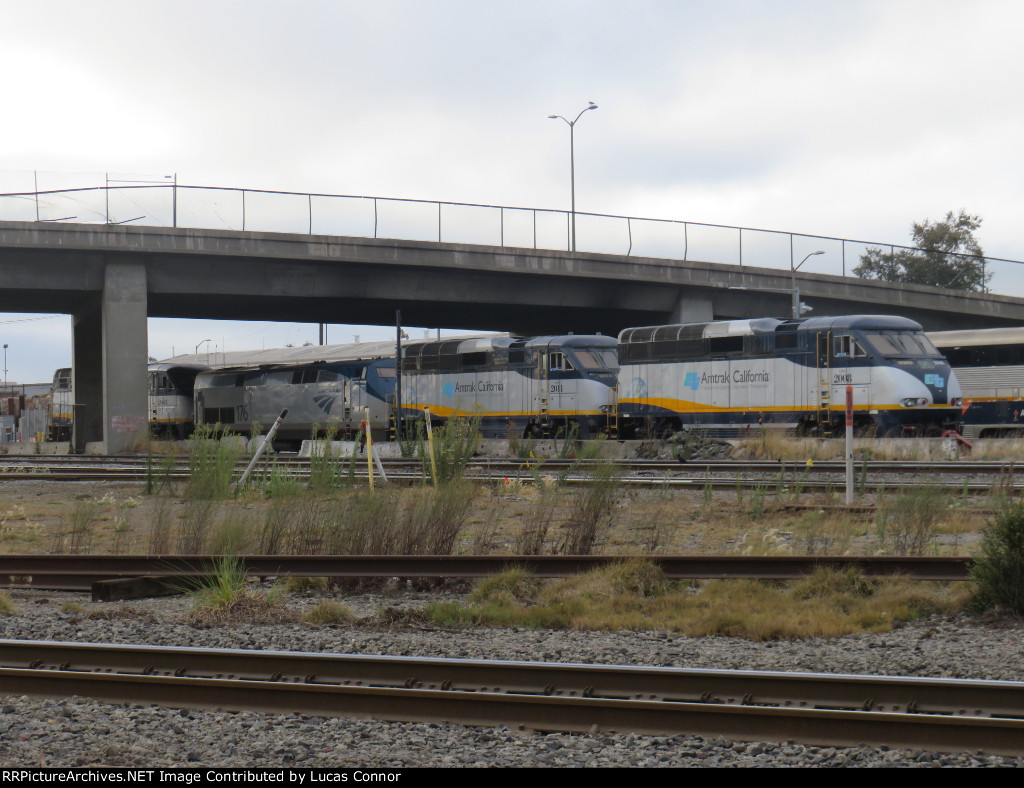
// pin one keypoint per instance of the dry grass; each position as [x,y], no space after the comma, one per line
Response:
[327,613]
[634,596]
[6,604]
[250,606]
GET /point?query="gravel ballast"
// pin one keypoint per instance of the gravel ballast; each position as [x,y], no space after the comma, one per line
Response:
[80,732]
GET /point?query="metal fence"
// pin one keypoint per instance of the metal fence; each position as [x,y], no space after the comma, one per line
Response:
[171,204]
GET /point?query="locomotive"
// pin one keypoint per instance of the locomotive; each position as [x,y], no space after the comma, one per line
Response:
[726,377]
[541,386]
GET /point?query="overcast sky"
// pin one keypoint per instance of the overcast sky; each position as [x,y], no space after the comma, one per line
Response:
[845,118]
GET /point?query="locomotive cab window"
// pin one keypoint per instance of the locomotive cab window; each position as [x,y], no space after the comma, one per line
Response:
[557,362]
[847,347]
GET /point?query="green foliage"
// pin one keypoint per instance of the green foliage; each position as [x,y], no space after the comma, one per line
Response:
[570,442]
[325,472]
[998,570]
[947,255]
[77,528]
[211,463]
[513,586]
[435,517]
[222,586]
[223,597]
[159,473]
[455,443]
[907,523]
[6,604]
[592,509]
[231,536]
[757,502]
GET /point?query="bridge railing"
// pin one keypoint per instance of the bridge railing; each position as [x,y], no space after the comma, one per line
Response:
[170,204]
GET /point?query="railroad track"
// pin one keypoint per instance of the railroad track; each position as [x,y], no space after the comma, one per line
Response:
[969,477]
[816,709]
[152,575]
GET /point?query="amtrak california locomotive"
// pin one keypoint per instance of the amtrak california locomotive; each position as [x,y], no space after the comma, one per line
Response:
[544,386]
[728,376]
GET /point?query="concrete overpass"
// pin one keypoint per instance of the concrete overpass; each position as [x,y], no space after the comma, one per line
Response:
[111,277]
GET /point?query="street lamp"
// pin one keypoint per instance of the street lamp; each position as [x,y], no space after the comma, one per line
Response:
[796,290]
[572,164]
[207,349]
[5,366]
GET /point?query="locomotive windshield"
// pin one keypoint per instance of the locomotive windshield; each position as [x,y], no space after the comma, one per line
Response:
[901,343]
[597,359]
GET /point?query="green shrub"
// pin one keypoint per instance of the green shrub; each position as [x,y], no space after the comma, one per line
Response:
[998,571]
[211,463]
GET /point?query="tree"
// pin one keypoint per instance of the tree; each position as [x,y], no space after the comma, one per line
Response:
[947,255]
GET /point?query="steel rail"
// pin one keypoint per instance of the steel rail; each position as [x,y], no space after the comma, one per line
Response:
[15,464]
[694,480]
[821,709]
[83,572]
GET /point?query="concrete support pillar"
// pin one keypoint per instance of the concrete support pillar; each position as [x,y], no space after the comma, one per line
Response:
[110,359]
[87,375]
[125,356]
[693,309]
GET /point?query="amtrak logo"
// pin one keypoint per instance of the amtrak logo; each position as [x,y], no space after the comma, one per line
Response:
[692,380]
[325,401]
[448,389]
[934,380]
[638,388]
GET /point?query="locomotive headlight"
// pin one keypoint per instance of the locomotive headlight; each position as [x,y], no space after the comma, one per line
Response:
[914,402]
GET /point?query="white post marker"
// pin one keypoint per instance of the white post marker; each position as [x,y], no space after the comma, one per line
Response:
[369,448]
[262,448]
[849,445]
[430,446]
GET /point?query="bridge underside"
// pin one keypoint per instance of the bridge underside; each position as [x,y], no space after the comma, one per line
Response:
[111,278]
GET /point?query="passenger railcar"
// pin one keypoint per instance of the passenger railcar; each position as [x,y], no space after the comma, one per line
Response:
[171,407]
[542,386]
[729,376]
[62,411]
[322,396]
[989,363]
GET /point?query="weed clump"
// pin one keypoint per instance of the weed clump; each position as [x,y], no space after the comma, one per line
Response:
[514,586]
[224,598]
[998,571]
[592,510]
[6,604]
[907,524]
[455,443]
[328,612]
[211,464]
[823,583]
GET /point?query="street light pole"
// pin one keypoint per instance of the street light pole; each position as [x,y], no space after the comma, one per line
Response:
[207,349]
[794,289]
[572,165]
[5,366]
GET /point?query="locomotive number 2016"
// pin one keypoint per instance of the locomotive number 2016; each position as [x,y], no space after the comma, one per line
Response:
[842,377]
